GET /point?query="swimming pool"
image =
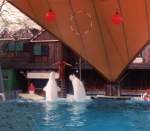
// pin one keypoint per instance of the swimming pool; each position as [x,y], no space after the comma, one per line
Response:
[96,115]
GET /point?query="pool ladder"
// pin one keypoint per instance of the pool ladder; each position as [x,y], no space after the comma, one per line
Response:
[2,95]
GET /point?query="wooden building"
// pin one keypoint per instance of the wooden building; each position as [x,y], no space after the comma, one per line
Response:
[36,52]
[136,79]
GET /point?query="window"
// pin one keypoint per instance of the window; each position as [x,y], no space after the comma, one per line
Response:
[5,47]
[37,50]
[11,47]
[45,50]
[19,47]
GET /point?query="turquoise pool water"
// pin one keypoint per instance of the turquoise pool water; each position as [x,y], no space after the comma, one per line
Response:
[96,115]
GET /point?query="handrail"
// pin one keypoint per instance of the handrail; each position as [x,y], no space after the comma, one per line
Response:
[2,96]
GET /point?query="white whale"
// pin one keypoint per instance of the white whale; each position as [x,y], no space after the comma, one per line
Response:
[51,89]
[78,88]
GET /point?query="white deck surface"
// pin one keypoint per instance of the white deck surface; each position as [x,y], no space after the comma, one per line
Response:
[33,97]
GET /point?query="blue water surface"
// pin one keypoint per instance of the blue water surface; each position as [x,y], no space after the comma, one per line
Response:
[96,115]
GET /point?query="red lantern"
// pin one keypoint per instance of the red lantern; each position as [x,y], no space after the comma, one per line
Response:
[50,16]
[117,18]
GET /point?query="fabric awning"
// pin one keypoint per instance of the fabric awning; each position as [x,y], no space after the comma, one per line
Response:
[86,26]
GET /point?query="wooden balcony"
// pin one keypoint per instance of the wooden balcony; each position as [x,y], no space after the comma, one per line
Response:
[140,66]
[30,56]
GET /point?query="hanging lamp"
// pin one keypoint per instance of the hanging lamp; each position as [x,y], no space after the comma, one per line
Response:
[50,16]
[117,19]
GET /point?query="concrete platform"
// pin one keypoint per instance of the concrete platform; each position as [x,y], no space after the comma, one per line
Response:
[28,96]
[35,97]
[113,97]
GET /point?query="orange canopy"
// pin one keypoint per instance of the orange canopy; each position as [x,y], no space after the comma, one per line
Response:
[86,26]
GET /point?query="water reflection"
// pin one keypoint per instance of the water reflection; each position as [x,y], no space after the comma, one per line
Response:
[50,113]
[73,116]
[77,111]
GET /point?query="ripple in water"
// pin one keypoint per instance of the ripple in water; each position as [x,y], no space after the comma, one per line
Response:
[72,116]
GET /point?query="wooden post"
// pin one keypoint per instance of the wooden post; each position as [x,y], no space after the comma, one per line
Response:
[108,89]
[118,89]
[112,89]
[61,67]
[63,89]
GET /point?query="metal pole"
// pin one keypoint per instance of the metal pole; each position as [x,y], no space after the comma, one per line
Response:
[80,68]
[118,90]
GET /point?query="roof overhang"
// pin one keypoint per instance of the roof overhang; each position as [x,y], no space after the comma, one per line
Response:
[86,26]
